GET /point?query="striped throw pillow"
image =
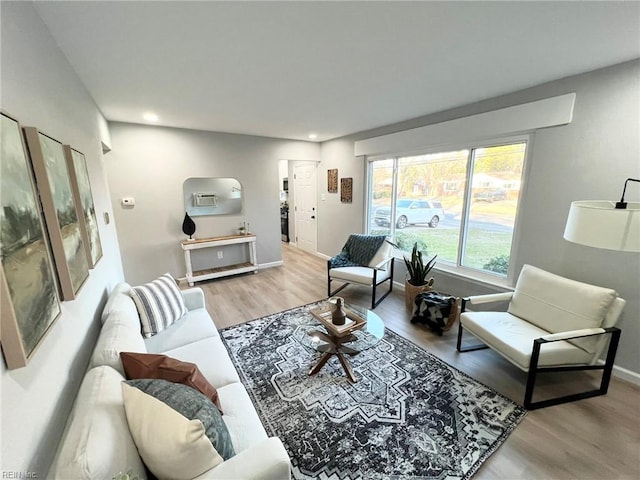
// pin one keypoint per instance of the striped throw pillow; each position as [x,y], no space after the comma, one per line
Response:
[159,304]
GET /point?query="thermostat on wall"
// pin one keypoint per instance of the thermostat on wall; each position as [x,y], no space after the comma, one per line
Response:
[128,201]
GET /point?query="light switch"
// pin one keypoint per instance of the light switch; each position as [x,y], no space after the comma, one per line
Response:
[128,201]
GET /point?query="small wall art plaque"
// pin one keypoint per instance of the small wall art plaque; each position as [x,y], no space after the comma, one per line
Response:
[346,190]
[332,180]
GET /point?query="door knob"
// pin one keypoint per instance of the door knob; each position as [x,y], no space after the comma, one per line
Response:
[313,216]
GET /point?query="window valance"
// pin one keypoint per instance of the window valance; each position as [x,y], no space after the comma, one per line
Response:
[522,118]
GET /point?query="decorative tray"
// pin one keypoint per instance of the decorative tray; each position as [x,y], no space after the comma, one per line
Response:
[353,320]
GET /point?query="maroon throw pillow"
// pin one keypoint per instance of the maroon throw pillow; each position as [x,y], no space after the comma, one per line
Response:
[152,365]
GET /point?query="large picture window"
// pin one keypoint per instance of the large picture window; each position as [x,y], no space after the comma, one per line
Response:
[459,204]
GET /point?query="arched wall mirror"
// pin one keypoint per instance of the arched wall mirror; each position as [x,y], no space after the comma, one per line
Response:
[212,196]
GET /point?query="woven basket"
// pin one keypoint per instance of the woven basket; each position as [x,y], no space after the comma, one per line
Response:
[411,291]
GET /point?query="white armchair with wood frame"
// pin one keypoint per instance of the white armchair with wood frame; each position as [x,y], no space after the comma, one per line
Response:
[552,324]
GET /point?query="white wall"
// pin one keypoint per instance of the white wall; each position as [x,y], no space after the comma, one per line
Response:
[150,163]
[588,159]
[336,220]
[41,90]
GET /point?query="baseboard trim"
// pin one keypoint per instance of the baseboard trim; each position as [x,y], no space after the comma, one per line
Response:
[262,266]
[626,374]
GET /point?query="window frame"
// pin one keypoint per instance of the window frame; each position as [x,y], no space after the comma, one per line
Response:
[445,266]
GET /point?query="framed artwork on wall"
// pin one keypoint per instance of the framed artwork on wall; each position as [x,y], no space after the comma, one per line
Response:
[29,302]
[332,180]
[346,190]
[61,218]
[83,199]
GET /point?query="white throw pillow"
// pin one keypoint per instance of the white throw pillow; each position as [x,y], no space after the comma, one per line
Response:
[159,304]
[383,253]
[171,446]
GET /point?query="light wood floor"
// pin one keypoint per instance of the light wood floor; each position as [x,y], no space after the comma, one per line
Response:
[597,438]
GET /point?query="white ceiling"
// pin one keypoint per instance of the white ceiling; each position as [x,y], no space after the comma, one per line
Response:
[286,69]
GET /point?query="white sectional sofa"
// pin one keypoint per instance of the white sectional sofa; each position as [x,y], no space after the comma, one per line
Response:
[97,444]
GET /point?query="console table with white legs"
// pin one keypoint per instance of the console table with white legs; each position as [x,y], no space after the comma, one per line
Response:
[196,244]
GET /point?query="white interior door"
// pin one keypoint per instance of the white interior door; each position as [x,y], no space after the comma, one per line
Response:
[305,186]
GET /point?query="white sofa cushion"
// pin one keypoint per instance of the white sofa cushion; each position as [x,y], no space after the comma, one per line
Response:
[362,275]
[96,443]
[513,338]
[193,326]
[172,446]
[116,337]
[159,304]
[240,417]
[119,301]
[264,460]
[557,304]
[212,359]
[123,317]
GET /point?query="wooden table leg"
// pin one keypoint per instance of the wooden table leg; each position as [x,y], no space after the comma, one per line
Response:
[324,359]
[334,346]
[347,367]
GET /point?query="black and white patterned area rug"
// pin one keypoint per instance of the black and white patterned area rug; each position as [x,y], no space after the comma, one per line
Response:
[409,416]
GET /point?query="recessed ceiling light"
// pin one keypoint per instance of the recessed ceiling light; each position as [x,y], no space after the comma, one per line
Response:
[313,136]
[150,117]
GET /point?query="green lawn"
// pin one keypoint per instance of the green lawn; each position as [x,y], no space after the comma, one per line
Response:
[482,246]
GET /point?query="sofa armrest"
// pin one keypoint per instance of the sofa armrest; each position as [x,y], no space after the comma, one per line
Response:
[489,298]
[267,460]
[193,298]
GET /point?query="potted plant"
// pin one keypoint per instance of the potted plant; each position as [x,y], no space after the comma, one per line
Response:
[417,272]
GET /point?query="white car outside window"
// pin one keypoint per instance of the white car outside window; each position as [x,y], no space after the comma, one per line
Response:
[411,212]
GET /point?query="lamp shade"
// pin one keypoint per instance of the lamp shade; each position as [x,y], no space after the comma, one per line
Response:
[597,223]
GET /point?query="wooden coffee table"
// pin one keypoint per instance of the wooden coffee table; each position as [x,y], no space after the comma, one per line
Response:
[315,336]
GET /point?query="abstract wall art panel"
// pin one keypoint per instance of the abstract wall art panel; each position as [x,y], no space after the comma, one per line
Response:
[28,293]
[61,218]
[85,208]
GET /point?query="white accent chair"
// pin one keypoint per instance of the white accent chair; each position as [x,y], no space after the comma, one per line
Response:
[378,271]
[552,324]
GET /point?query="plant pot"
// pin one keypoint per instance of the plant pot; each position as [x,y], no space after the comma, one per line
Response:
[410,291]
